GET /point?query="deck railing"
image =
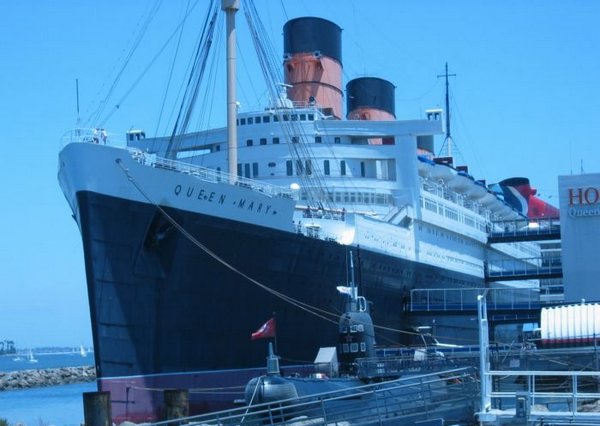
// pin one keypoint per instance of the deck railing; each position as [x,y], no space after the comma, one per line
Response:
[95,136]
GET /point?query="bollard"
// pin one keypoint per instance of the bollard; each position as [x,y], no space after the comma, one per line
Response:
[96,409]
[177,404]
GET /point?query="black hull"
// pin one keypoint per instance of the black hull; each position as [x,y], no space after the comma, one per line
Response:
[160,304]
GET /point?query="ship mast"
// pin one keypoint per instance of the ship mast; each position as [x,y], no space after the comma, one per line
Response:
[448,138]
[230,7]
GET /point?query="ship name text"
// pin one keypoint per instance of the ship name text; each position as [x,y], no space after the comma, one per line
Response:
[201,194]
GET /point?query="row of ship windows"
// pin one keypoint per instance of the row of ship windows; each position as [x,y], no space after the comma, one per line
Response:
[305,168]
[274,118]
[355,197]
[452,214]
[295,139]
[302,168]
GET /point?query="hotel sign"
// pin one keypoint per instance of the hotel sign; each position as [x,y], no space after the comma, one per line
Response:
[584,201]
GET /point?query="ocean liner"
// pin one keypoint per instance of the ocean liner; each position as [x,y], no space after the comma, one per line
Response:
[193,240]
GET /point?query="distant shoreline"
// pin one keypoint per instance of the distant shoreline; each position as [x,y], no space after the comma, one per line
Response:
[33,378]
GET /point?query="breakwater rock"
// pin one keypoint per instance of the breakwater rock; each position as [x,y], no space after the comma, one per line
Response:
[47,377]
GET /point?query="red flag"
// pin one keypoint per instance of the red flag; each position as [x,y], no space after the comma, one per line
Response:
[265,331]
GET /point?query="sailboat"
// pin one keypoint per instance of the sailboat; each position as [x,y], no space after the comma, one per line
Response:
[31,358]
[82,351]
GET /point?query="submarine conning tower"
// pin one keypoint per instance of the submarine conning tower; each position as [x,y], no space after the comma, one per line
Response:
[370,98]
[313,63]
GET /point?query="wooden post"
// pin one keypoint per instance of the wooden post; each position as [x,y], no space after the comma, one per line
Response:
[96,409]
[177,404]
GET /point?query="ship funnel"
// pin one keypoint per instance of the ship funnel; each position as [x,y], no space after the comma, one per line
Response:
[370,98]
[313,63]
[519,194]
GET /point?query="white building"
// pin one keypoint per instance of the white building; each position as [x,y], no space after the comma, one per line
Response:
[580,234]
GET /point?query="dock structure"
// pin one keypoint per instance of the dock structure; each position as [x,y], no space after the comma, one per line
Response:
[535,397]
[572,404]
[547,267]
[434,398]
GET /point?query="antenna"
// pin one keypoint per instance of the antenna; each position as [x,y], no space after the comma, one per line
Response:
[77,95]
[352,284]
[448,134]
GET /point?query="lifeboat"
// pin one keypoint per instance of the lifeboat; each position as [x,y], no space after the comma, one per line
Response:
[444,172]
[461,182]
[497,206]
[488,199]
[505,211]
[512,215]
[476,191]
[425,166]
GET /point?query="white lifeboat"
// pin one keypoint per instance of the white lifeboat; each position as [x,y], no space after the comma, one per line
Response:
[476,191]
[505,211]
[461,182]
[444,172]
[515,215]
[425,166]
[488,199]
[497,206]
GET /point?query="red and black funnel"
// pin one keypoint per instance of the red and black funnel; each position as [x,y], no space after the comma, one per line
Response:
[518,193]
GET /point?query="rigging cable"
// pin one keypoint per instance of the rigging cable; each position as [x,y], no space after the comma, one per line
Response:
[162,105]
[328,316]
[144,72]
[190,96]
[95,117]
[309,172]
[299,304]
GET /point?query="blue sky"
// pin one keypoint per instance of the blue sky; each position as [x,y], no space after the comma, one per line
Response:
[525,102]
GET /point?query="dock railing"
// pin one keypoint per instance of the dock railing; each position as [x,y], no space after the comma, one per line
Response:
[449,394]
[570,403]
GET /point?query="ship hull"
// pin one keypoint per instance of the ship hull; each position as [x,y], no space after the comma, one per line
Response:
[176,309]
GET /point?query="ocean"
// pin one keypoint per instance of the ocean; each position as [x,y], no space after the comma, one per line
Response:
[45,406]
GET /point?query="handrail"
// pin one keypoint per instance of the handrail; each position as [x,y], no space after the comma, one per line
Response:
[414,396]
[96,136]
[572,396]
[206,174]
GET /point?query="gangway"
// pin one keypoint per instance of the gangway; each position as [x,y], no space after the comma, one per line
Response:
[508,231]
[465,300]
[524,269]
